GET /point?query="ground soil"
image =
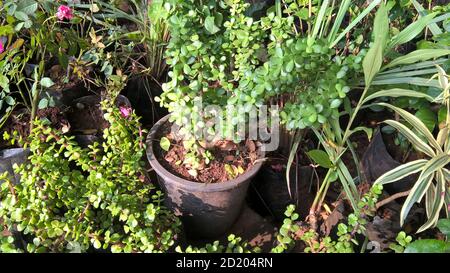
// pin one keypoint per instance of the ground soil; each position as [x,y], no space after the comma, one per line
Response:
[224,153]
[58,74]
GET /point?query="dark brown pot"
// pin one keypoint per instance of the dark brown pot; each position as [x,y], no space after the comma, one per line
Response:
[206,210]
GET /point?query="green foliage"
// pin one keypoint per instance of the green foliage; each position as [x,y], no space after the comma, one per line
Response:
[346,241]
[287,231]
[72,199]
[320,157]
[428,246]
[235,245]
[406,245]
[218,57]
[402,241]
[433,178]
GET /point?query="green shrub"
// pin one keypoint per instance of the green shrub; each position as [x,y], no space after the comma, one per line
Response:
[73,199]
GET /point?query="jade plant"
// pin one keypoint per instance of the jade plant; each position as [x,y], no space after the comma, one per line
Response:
[73,199]
[219,56]
[212,46]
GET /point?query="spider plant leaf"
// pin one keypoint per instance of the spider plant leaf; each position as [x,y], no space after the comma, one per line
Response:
[415,140]
[411,31]
[429,199]
[438,202]
[416,56]
[398,92]
[442,136]
[353,23]
[417,191]
[435,164]
[446,174]
[416,123]
[401,171]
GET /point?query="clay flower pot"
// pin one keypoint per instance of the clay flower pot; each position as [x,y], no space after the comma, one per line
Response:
[207,210]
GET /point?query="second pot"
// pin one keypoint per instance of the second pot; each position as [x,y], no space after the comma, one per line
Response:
[206,210]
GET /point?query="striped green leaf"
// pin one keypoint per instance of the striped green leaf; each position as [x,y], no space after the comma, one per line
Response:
[429,198]
[416,123]
[417,191]
[416,141]
[411,31]
[402,171]
[416,56]
[348,184]
[404,74]
[421,65]
[422,12]
[438,202]
[398,92]
[434,164]
[446,174]
[374,58]
[408,80]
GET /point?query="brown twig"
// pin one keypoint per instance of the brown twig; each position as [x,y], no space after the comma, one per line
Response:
[392,198]
[84,212]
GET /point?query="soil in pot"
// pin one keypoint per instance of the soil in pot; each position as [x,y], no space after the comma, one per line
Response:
[229,159]
[209,203]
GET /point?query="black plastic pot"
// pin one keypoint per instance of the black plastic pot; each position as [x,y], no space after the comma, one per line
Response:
[206,210]
[9,157]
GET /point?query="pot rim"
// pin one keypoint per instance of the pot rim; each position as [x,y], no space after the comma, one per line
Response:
[4,154]
[187,184]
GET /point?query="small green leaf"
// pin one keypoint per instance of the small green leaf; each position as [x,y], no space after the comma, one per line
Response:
[428,118]
[165,144]
[97,244]
[444,226]
[427,246]
[43,103]
[321,158]
[210,25]
[47,82]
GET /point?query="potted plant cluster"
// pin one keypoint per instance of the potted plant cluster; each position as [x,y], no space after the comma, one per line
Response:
[222,69]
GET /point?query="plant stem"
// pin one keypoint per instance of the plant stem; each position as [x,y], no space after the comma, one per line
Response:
[392,198]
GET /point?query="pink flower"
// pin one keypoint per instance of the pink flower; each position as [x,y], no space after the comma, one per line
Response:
[64,12]
[125,111]
[1,47]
